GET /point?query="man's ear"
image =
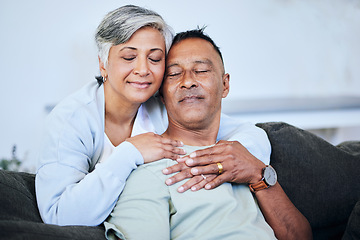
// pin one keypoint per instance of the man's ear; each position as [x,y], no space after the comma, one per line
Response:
[226,85]
[102,68]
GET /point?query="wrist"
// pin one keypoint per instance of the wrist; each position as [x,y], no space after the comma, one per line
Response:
[269,178]
[257,174]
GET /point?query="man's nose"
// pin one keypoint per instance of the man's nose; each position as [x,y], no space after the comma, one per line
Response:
[189,80]
[141,67]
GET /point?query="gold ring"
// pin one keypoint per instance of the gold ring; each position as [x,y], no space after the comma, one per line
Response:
[220,167]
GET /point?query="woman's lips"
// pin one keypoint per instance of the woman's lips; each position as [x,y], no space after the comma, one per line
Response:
[140,85]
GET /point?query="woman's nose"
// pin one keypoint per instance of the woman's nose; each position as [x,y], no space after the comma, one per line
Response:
[141,67]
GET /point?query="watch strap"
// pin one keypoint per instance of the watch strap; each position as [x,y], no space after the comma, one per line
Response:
[258,186]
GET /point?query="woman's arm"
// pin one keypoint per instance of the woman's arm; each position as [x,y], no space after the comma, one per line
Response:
[70,189]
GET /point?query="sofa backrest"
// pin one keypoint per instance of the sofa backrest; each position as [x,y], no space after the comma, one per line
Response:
[319,178]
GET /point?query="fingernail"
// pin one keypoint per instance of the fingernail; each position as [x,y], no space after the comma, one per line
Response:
[181,143]
[181,189]
[189,161]
[194,171]
[193,154]
[165,171]
[193,188]
[207,186]
[168,181]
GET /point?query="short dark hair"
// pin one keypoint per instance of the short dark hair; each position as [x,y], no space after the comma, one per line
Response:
[197,33]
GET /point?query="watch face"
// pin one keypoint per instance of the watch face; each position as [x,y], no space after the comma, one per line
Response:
[270,175]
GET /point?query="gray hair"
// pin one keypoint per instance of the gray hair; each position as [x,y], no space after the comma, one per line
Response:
[119,25]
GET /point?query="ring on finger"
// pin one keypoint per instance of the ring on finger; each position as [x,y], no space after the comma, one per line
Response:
[220,166]
[203,176]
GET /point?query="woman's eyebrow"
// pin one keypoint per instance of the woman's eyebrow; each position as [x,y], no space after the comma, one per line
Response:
[134,48]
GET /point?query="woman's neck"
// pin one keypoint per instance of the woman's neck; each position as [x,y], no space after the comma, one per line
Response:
[119,118]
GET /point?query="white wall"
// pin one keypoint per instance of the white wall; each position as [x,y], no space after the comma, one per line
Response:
[272,49]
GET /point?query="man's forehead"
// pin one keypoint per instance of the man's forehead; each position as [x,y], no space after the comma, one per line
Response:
[189,61]
[192,51]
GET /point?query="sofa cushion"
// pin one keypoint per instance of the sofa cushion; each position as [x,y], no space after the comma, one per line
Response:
[20,218]
[353,227]
[13,230]
[319,178]
[17,197]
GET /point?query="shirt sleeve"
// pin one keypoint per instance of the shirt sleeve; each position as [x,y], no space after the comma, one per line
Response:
[70,191]
[254,139]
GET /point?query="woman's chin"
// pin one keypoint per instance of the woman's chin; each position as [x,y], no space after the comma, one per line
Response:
[141,97]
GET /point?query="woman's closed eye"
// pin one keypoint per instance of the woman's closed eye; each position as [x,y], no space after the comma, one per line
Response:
[155,60]
[129,58]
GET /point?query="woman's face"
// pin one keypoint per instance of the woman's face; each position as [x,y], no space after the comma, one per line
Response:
[135,69]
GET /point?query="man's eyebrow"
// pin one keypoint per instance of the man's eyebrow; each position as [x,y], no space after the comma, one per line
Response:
[205,61]
[172,65]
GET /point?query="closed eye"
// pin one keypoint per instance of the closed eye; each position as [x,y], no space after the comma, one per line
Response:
[201,71]
[173,74]
[128,58]
[155,60]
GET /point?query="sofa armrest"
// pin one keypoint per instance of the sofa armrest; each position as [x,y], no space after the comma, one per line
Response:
[17,197]
[20,217]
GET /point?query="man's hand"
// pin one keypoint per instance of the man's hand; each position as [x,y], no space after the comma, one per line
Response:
[239,166]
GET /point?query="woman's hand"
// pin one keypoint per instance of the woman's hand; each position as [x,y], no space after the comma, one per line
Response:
[154,147]
[238,165]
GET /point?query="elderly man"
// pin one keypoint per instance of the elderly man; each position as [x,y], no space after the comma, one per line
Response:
[194,85]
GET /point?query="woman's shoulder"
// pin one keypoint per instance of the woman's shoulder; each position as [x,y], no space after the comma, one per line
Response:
[83,108]
[87,99]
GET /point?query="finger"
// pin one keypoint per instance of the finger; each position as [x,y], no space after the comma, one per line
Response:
[193,181]
[201,184]
[171,155]
[179,177]
[172,142]
[217,181]
[209,169]
[175,168]
[172,149]
[182,159]
[214,150]
[204,160]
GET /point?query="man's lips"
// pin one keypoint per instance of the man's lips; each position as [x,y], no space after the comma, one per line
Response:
[191,98]
[140,85]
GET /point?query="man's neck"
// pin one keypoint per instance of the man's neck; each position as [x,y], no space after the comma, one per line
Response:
[193,136]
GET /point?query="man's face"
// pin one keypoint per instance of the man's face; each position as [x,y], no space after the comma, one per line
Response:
[194,83]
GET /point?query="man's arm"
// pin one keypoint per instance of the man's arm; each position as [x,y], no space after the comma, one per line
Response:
[283,217]
[240,166]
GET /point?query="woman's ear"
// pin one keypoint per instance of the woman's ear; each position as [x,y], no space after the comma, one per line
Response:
[226,85]
[102,68]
